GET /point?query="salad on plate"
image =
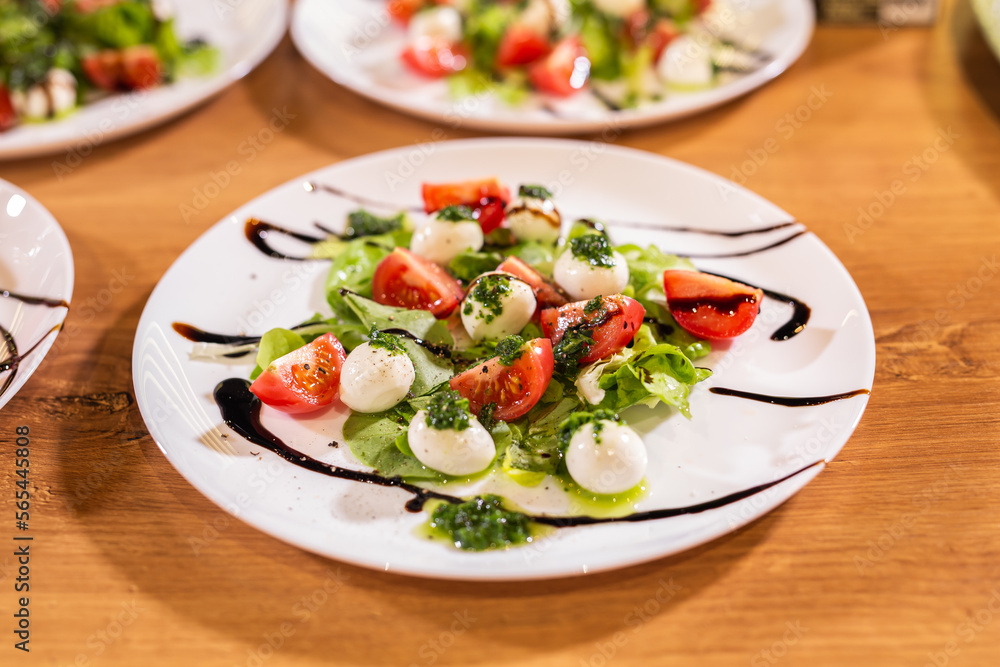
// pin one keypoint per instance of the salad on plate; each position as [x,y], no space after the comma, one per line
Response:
[627,53]
[475,340]
[56,55]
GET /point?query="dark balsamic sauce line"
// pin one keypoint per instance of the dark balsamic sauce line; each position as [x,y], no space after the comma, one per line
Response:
[241,411]
[800,311]
[34,300]
[696,230]
[13,359]
[442,351]
[744,253]
[257,232]
[571,521]
[789,401]
[12,362]
[312,186]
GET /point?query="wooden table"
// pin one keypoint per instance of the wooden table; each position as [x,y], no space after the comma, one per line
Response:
[890,557]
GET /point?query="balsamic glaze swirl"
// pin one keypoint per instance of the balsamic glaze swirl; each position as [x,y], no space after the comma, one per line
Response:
[12,359]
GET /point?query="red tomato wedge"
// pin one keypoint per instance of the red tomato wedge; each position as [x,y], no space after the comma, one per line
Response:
[564,71]
[521,45]
[8,118]
[515,389]
[711,306]
[486,197]
[103,69]
[403,10]
[469,193]
[305,379]
[613,323]
[435,58]
[405,280]
[663,32]
[546,293]
[134,68]
[140,68]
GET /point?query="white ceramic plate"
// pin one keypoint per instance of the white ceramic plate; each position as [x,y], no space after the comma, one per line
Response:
[223,284]
[35,261]
[245,32]
[353,43]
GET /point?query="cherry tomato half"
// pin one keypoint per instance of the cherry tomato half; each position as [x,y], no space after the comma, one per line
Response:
[521,45]
[435,58]
[406,280]
[305,379]
[7,116]
[516,388]
[613,322]
[564,71]
[711,306]
[546,293]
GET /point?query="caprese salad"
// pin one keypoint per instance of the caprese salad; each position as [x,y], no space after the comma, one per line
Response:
[478,339]
[56,55]
[625,51]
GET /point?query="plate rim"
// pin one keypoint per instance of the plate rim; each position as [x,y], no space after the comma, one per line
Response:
[649,551]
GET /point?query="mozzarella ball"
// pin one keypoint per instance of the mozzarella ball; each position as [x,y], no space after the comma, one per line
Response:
[441,241]
[444,23]
[620,8]
[687,63]
[497,305]
[36,103]
[449,451]
[532,219]
[544,16]
[582,280]
[61,85]
[374,379]
[612,462]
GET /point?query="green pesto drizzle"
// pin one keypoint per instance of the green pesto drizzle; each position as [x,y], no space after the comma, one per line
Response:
[386,341]
[363,223]
[481,523]
[593,249]
[509,350]
[456,214]
[534,192]
[489,291]
[578,420]
[448,410]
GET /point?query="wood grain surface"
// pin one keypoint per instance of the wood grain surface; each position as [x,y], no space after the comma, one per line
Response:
[890,557]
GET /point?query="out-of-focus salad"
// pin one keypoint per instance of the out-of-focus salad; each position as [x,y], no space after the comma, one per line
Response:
[624,51]
[56,55]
